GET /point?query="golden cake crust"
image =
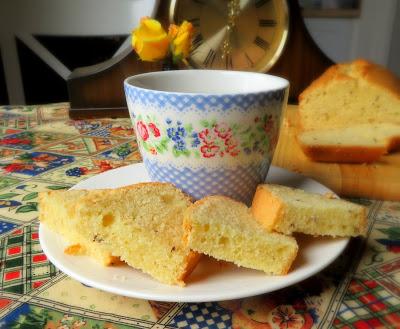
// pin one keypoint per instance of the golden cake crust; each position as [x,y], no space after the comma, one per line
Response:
[358,69]
[364,73]
[345,154]
[288,210]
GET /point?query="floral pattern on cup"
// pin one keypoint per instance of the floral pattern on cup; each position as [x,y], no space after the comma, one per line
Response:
[211,138]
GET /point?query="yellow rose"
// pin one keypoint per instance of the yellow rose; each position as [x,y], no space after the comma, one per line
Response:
[150,40]
[181,40]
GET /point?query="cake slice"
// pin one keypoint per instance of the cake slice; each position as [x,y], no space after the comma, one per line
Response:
[351,113]
[57,211]
[345,144]
[142,224]
[225,229]
[288,210]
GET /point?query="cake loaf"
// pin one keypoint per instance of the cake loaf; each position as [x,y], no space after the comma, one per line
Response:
[288,210]
[225,229]
[141,224]
[351,113]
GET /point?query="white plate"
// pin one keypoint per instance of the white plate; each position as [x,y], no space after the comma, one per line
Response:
[211,280]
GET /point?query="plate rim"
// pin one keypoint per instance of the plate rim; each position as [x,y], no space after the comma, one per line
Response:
[177,297]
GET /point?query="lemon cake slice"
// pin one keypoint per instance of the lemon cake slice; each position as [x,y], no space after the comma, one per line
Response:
[142,224]
[225,229]
[288,210]
[60,217]
[351,113]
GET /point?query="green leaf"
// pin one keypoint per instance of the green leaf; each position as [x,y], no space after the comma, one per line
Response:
[205,123]
[146,146]
[26,208]
[30,196]
[177,58]
[57,187]
[164,143]
[247,130]
[163,147]
[7,195]
[235,128]
[175,152]
[189,128]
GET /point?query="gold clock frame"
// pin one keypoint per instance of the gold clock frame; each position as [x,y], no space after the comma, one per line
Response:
[279,49]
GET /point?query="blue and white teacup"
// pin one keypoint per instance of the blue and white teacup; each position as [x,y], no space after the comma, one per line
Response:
[207,131]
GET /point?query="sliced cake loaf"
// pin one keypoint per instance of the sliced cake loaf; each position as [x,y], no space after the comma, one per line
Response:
[225,229]
[288,210]
[142,224]
[351,113]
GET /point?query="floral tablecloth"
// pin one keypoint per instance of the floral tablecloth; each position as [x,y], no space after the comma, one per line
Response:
[41,149]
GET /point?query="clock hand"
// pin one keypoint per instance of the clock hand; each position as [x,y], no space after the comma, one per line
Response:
[213,42]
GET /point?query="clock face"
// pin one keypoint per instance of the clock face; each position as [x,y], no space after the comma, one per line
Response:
[244,35]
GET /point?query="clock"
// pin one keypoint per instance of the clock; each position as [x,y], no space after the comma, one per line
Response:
[251,35]
[247,35]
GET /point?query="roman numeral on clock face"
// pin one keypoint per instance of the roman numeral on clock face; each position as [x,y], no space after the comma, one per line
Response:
[260,42]
[267,22]
[208,61]
[197,41]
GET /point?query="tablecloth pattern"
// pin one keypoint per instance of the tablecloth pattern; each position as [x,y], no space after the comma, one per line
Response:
[41,149]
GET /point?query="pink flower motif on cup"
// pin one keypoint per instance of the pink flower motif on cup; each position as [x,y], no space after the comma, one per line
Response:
[231,145]
[269,124]
[142,130]
[209,150]
[223,130]
[154,130]
[207,136]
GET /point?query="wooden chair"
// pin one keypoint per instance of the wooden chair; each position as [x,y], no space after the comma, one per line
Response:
[97,91]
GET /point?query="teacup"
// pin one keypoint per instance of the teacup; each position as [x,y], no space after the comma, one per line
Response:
[207,131]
